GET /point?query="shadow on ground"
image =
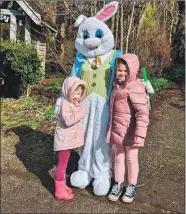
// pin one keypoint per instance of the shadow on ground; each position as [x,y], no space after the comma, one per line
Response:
[35,150]
[181,107]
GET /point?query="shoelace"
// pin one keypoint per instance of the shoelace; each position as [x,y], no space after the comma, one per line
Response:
[130,190]
[116,189]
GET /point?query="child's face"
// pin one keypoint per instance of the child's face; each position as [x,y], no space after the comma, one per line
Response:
[77,94]
[121,72]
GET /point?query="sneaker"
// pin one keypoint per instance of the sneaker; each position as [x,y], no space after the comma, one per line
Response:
[129,194]
[116,191]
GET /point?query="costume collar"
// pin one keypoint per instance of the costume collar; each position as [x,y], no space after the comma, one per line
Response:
[102,57]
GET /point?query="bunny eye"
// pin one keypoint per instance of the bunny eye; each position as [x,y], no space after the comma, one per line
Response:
[85,34]
[99,33]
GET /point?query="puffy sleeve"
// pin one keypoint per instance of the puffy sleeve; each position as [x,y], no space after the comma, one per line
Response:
[71,116]
[138,98]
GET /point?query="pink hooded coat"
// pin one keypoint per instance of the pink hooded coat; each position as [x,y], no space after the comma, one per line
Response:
[69,129]
[129,114]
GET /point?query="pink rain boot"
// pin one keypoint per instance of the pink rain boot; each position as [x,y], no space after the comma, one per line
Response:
[61,191]
[68,188]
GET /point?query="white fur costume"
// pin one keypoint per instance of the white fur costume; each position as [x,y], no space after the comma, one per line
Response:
[94,38]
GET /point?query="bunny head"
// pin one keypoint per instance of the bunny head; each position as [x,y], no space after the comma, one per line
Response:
[94,37]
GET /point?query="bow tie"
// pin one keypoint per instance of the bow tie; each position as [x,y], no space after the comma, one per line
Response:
[96,63]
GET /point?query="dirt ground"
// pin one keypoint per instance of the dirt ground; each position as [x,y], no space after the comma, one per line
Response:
[27,156]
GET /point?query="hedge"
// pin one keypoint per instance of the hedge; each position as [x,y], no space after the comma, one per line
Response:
[20,62]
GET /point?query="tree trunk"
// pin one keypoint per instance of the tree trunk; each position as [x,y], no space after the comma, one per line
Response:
[60,21]
[179,36]
[121,27]
[172,22]
[62,31]
[117,26]
[52,12]
[91,9]
[95,7]
[112,24]
[165,19]
[141,20]
[129,29]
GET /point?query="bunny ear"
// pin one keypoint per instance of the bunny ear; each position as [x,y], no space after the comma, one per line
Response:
[80,20]
[107,12]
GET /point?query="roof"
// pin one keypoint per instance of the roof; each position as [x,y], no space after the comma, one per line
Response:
[36,17]
[38,7]
[34,12]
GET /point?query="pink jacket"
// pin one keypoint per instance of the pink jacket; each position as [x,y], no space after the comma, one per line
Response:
[69,129]
[129,114]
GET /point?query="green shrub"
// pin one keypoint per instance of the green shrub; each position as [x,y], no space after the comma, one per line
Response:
[177,73]
[159,83]
[20,62]
[48,113]
[57,84]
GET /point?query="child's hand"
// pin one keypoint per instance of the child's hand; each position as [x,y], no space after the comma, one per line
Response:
[77,104]
[138,140]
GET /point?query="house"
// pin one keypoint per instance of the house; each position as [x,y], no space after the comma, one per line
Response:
[25,23]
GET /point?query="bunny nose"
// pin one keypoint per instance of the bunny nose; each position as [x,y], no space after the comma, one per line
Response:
[91,45]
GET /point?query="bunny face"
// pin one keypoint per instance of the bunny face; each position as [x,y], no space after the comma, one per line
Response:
[94,36]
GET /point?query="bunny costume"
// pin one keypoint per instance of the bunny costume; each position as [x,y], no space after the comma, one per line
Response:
[95,39]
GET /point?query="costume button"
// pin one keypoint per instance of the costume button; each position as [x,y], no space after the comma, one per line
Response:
[94,76]
[94,84]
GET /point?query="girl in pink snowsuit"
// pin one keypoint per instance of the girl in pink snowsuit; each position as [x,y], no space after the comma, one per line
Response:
[129,119]
[69,131]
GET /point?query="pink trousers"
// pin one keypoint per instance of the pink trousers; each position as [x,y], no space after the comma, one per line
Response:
[128,156]
[63,157]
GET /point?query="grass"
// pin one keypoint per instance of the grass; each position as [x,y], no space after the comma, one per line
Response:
[48,113]
[32,113]
[25,111]
[32,123]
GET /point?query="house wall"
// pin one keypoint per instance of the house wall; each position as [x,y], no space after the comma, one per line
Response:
[41,50]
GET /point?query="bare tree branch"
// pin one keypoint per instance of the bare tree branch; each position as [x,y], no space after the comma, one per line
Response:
[66,6]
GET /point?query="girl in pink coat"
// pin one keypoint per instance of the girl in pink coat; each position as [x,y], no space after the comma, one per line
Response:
[69,131]
[129,119]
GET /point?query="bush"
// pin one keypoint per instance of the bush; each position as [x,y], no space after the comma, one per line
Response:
[159,83]
[56,85]
[154,51]
[177,73]
[20,66]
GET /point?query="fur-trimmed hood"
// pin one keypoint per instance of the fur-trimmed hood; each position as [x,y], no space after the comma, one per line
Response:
[69,86]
